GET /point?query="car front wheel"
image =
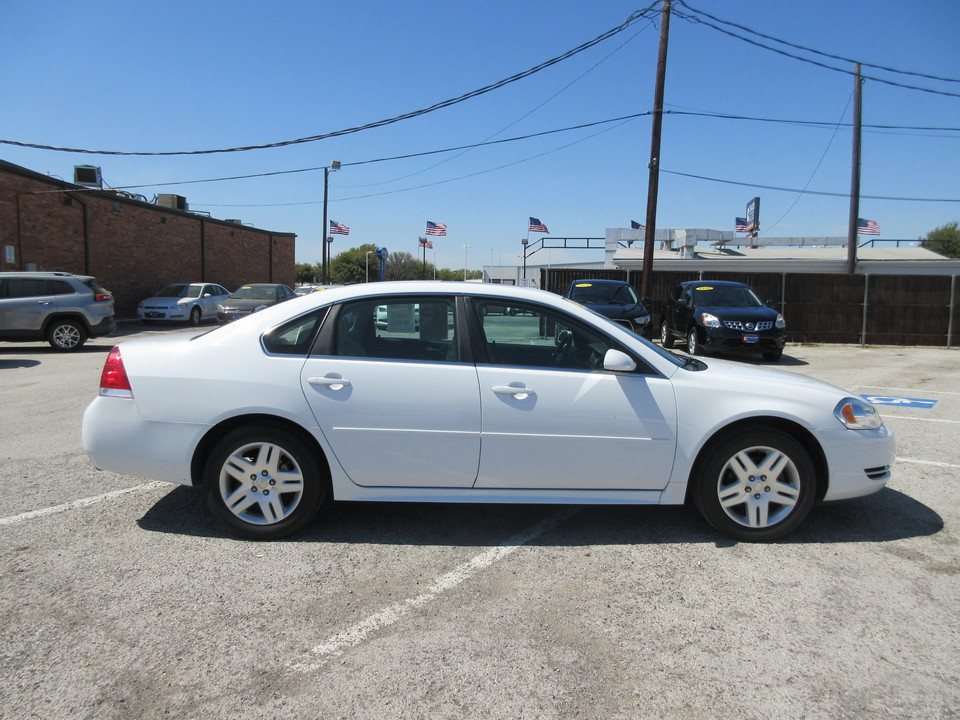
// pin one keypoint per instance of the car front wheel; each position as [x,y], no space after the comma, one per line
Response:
[756,485]
[693,342]
[263,483]
[195,315]
[666,339]
[66,335]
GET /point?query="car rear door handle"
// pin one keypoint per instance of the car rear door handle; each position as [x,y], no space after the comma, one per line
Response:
[518,391]
[334,382]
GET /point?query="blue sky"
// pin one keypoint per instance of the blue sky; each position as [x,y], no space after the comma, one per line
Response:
[204,75]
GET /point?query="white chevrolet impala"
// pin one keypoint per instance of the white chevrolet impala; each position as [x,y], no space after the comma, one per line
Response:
[426,392]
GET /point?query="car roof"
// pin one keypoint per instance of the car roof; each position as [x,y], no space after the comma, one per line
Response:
[600,282]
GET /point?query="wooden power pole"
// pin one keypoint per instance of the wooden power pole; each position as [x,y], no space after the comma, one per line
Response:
[854,179]
[653,185]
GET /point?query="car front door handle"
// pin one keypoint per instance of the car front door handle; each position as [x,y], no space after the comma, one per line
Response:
[520,392]
[334,382]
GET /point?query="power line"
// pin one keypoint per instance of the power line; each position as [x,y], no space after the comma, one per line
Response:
[379,123]
[808,192]
[812,50]
[699,20]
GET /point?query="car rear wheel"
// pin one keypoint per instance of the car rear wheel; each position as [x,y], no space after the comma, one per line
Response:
[66,335]
[666,339]
[195,315]
[693,342]
[756,485]
[263,483]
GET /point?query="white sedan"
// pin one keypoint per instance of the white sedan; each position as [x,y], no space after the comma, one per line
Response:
[314,399]
[183,302]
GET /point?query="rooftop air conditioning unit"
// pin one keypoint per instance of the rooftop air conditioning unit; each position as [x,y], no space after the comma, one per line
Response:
[174,202]
[87,175]
[234,221]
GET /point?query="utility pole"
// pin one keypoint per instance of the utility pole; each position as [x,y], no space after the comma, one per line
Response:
[855,178]
[653,184]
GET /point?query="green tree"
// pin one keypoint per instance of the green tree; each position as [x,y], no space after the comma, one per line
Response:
[350,266]
[944,240]
[306,273]
[403,266]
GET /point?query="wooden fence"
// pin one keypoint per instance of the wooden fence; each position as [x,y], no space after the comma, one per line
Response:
[858,309]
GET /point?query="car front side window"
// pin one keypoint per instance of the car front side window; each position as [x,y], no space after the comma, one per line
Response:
[535,336]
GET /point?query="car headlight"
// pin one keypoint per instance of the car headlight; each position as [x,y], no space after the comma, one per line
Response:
[258,308]
[221,309]
[710,321]
[182,306]
[857,414]
[781,323]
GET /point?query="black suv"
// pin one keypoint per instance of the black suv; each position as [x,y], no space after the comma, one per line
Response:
[616,300]
[722,316]
[62,308]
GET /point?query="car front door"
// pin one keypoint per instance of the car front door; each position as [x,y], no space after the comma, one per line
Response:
[553,418]
[395,402]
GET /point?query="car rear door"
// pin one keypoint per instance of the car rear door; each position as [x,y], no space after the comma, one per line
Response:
[396,403]
[25,305]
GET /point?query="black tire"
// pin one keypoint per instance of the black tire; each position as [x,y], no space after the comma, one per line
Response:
[756,485]
[666,339]
[66,335]
[196,315]
[693,342]
[773,355]
[243,477]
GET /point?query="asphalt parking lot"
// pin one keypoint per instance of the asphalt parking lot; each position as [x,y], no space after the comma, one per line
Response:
[122,598]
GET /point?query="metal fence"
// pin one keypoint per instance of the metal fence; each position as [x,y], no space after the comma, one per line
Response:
[864,309]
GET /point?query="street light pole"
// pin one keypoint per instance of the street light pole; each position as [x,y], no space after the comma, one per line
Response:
[335,165]
[525,242]
[465,261]
[367,276]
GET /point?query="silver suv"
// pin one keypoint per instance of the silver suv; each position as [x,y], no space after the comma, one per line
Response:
[62,308]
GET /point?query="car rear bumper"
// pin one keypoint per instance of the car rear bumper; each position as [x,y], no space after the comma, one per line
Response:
[104,327]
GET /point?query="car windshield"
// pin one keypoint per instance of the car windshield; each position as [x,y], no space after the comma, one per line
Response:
[180,291]
[709,296]
[604,293]
[254,292]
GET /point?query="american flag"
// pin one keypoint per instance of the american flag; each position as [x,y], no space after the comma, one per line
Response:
[537,226]
[338,228]
[434,228]
[867,227]
[741,225]
[426,243]
[634,225]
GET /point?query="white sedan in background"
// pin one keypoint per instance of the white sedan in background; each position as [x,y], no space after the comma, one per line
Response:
[314,399]
[183,302]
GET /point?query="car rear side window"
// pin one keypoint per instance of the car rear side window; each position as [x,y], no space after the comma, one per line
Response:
[59,287]
[398,328]
[295,337]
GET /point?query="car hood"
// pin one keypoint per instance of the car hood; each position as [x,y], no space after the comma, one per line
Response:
[166,301]
[245,303]
[740,313]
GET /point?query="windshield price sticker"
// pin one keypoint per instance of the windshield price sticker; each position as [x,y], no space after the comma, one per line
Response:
[899,401]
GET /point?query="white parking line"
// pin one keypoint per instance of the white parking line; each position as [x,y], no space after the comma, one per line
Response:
[887,416]
[389,615]
[74,504]
[909,390]
[928,462]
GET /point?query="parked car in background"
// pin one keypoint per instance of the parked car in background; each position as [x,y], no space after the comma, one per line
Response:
[722,316]
[311,400]
[616,300]
[307,289]
[62,308]
[183,302]
[250,299]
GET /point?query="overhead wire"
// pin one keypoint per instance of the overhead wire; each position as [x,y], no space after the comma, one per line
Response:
[376,124]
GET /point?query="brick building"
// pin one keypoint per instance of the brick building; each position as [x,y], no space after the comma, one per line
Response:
[132,246]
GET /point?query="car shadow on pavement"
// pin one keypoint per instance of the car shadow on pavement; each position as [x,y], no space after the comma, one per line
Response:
[882,517]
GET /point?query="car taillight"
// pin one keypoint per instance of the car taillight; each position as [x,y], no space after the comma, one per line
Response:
[113,380]
[102,297]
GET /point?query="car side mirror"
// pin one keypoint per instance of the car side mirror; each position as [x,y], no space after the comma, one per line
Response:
[618,361]
[646,302]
